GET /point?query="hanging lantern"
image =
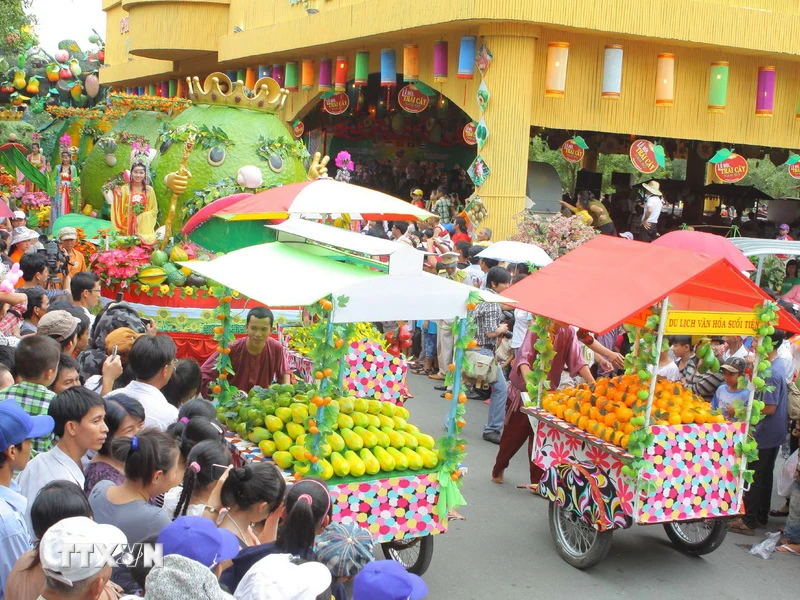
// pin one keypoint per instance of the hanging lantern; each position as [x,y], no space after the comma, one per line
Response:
[765,94]
[173,88]
[151,89]
[718,87]
[797,112]
[240,76]
[440,66]
[292,76]
[279,75]
[182,91]
[361,77]
[466,57]
[388,68]
[340,78]
[665,80]
[250,77]
[164,89]
[325,75]
[410,63]
[555,79]
[612,72]
[264,71]
[307,74]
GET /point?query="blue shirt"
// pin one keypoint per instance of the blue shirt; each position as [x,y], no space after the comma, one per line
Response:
[14,537]
[771,431]
[723,398]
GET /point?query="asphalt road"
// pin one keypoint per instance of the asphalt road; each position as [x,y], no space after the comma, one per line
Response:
[504,549]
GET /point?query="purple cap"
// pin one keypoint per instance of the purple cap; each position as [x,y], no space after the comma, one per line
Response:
[199,539]
[17,426]
[387,580]
[784,226]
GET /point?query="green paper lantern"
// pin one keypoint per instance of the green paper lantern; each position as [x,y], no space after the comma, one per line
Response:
[718,87]
[362,68]
[240,75]
[151,89]
[173,88]
[292,76]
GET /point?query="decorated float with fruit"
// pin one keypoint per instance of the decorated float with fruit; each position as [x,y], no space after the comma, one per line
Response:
[383,473]
[637,448]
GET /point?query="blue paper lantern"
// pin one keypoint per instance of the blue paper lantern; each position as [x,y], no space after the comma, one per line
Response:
[388,68]
[466,57]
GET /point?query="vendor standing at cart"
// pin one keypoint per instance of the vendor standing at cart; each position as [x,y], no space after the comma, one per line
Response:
[257,359]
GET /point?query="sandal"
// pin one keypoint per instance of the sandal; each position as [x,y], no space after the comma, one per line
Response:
[779,512]
[739,526]
[787,549]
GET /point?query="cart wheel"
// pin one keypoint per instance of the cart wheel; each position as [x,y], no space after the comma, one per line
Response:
[414,554]
[697,537]
[578,544]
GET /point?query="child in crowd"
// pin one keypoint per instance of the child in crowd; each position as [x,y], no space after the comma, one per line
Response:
[184,383]
[197,407]
[199,539]
[667,367]
[729,392]
[282,576]
[189,432]
[78,416]
[684,356]
[67,375]
[124,418]
[345,549]
[204,465]
[388,580]
[306,513]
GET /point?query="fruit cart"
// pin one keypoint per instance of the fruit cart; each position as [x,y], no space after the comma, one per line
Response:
[635,448]
[383,473]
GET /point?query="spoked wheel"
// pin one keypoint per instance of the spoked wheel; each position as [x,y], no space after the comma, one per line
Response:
[579,544]
[697,537]
[414,554]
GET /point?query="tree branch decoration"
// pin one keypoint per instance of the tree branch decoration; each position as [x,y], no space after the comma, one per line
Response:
[537,379]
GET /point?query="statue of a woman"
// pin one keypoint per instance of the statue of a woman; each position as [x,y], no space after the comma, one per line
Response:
[134,208]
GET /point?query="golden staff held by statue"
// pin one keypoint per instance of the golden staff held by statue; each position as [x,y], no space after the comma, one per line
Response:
[177,182]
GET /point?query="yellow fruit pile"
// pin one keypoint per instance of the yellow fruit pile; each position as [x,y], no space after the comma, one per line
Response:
[369,437]
[608,408]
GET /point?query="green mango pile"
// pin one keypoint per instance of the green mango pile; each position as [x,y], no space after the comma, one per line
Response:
[369,437]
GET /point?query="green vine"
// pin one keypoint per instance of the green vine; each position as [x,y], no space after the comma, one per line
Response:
[282,146]
[222,391]
[540,369]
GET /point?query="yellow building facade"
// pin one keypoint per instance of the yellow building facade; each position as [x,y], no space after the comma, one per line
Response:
[153,40]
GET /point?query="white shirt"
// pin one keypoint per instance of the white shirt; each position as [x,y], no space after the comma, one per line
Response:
[654,203]
[785,354]
[43,468]
[90,315]
[522,320]
[475,276]
[157,411]
[740,353]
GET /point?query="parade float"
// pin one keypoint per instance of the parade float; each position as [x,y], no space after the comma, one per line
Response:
[637,448]
[383,473]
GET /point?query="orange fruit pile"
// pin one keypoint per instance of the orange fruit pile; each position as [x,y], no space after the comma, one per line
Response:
[606,407]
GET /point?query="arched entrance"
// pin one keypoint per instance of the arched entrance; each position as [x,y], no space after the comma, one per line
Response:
[397,144]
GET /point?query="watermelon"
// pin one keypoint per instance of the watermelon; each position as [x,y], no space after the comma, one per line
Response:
[159,258]
[152,275]
[176,278]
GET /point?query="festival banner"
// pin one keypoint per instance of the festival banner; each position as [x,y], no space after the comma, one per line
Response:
[469,133]
[643,156]
[336,104]
[732,169]
[574,149]
[694,322]
[412,100]
[794,170]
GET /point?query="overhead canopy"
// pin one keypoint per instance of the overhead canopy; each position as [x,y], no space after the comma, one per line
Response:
[516,252]
[735,192]
[707,243]
[607,281]
[759,247]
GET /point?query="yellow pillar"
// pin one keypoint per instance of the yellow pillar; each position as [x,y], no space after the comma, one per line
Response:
[508,115]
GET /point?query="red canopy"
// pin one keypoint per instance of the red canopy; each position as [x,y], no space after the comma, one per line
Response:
[607,281]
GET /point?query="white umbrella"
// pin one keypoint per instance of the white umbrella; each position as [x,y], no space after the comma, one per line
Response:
[517,252]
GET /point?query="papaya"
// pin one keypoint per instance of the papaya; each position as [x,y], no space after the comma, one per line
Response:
[411,441]
[370,441]
[429,458]
[283,459]
[300,399]
[386,421]
[284,413]
[400,461]
[336,442]
[371,464]
[373,420]
[282,441]
[267,448]
[152,275]
[385,459]
[424,440]
[346,405]
[353,441]
[374,407]
[345,421]
[298,452]
[299,413]
[395,439]
[387,409]
[302,467]
[360,404]
[294,430]
[359,419]
[357,467]
[341,467]
[273,423]
[300,440]
[383,439]
[408,427]
[327,469]
[401,411]
[258,435]
[414,459]
[178,254]
[325,450]
[400,423]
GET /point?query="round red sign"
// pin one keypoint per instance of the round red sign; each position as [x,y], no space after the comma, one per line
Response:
[794,170]
[643,156]
[298,127]
[412,100]
[469,133]
[732,169]
[336,104]
[572,152]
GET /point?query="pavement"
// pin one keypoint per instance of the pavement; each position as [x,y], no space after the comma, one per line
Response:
[504,550]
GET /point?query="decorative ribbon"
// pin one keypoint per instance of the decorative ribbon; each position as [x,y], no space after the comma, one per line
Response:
[450,496]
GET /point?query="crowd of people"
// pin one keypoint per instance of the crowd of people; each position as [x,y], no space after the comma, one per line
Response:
[105,438]
[395,180]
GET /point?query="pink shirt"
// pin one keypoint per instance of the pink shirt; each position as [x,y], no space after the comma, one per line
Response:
[250,370]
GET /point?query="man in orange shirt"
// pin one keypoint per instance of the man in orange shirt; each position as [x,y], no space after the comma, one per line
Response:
[68,237]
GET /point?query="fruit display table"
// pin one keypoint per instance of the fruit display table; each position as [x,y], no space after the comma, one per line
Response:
[637,448]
